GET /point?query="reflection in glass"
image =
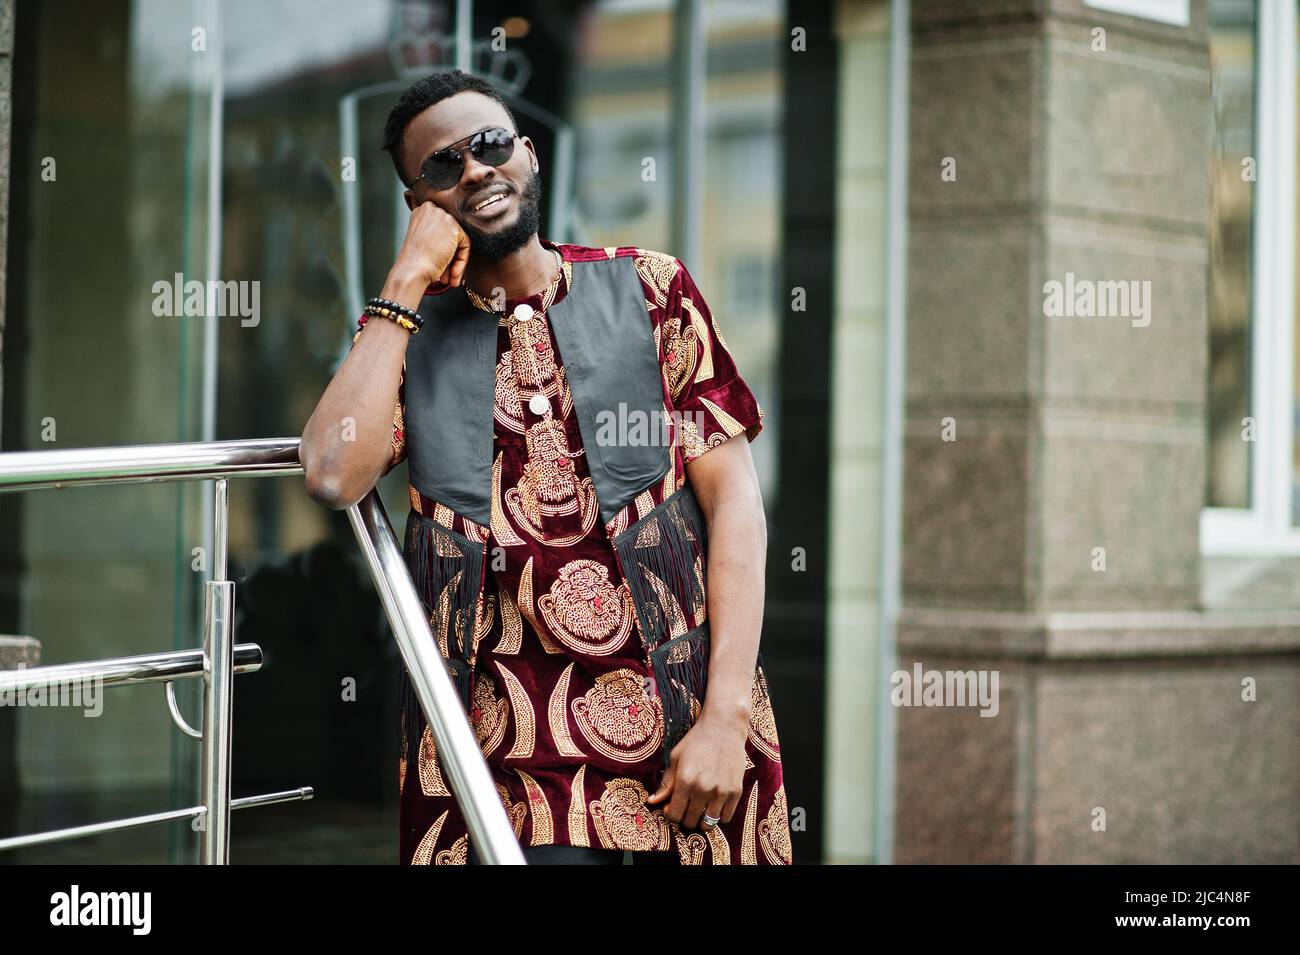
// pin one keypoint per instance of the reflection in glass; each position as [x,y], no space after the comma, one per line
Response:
[1233,84]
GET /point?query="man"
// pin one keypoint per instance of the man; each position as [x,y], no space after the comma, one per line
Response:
[558,544]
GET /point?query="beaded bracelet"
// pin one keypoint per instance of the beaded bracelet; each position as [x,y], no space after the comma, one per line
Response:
[402,320]
[399,319]
[390,309]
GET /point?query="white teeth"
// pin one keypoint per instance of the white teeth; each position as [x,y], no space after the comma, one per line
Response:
[487,202]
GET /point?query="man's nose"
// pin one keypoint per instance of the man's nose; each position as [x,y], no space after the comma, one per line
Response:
[474,171]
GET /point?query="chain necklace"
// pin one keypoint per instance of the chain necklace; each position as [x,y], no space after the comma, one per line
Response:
[547,297]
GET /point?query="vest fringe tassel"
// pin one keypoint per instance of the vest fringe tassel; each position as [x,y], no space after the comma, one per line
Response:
[447,569]
[662,557]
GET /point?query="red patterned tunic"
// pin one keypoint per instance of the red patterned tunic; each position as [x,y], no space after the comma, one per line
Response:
[563,709]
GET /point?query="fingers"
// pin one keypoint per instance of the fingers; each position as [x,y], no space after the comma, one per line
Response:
[715,807]
[460,261]
[665,787]
[695,808]
[728,808]
[677,808]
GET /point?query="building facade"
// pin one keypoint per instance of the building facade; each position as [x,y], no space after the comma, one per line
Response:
[1012,281]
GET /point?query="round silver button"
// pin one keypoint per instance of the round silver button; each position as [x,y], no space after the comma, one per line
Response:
[523,312]
[539,404]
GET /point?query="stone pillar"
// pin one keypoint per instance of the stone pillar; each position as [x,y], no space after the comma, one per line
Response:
[1054,466]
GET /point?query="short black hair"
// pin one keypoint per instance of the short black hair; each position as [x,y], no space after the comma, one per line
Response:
[422,94]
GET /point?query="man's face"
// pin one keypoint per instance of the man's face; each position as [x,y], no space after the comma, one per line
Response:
[507,224]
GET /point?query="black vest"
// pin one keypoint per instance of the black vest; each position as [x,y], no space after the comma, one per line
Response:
[606,345]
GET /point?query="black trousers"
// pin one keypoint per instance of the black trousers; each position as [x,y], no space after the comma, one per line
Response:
[580,855]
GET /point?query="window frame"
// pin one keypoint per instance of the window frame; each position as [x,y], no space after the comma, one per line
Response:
[1265,527]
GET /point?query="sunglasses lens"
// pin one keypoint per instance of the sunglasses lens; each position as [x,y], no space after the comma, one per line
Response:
[492,147]
[495,148]
[441,172]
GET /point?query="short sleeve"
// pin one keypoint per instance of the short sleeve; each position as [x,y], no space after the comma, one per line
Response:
[398,454]
[710,399]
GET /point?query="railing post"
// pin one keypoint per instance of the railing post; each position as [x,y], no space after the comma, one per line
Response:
[218,676]
[219,673]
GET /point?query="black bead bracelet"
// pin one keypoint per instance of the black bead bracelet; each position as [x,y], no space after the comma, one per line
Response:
[379,304]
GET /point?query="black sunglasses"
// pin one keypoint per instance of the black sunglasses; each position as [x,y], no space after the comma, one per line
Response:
[443,169]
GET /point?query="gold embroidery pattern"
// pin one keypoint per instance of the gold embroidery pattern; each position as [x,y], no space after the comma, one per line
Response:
[551,480]
[585,611]
[485,610]
[618,525]
[672,612]
[729,424]
[669,484]
[525,722]
[507,409]
[399,428]
[474,531]
[508,406]
[748,855]
[487,714]
[701,609]
[618,719]
[440,619]
[690,846]
[702,335]
[501,529]
[534,363]
[515,811]
[431,783]
[458,854]
[719,848]
[774,831]
[512,626]
[645,503]
[424,851]
[548,487]
[717,331]
[529,613]
[578,809]
[680,352]
[693,443]
[543,824]
[623,821]
[556,714]
[762,721]
[658,270]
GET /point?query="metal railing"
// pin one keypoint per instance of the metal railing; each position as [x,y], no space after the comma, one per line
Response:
[220,659]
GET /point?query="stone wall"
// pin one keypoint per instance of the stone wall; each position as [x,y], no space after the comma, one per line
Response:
[1054,466]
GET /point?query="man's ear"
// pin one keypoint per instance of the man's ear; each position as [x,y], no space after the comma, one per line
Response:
[532,152]
[409,196]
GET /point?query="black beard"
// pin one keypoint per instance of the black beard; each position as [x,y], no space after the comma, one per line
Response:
[495,246]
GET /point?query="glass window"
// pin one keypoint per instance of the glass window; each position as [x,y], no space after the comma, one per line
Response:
[622,105]
[1232,52]
[108,173]
[742,198]
[114,570]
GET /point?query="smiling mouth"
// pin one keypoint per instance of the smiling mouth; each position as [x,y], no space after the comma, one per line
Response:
[490,205]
